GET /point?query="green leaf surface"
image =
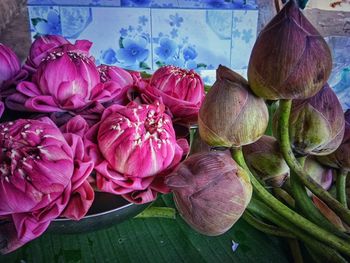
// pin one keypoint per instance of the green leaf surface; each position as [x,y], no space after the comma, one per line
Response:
[152,240]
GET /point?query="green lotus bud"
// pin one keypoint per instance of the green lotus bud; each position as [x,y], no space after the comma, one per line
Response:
[231,115]
[265,159]
[341,157]
[316,124]
[210,191]
[290,59]
[321,174]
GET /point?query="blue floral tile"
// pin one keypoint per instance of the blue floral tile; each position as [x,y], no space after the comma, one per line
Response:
[44,20]
[150,3]
[244,33]
[219,4]
[340,75]
[120,36]
[74,20]
[75,2]
[176,39]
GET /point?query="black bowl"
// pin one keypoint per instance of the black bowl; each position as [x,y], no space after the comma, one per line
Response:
[106,211]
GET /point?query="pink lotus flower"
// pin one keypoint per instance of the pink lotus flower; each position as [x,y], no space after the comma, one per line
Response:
[112,74]
[39,50]
[181,90]
[43,176]
[67,80]
[133,147]
[2,107]
[10,70]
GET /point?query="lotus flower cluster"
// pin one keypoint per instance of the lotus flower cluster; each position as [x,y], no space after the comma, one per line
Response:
[43,176]
[88,130]
[119,124]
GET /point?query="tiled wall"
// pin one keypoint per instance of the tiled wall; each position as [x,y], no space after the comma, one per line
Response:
[144,35]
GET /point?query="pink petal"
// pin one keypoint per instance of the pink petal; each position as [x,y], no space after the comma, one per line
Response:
[29,89]
[42,104]
[80,202]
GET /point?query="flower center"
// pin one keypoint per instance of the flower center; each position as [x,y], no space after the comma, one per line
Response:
[134,52]
[16,152]
[103,70]
[182,73]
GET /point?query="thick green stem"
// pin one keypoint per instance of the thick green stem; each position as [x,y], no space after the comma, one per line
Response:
[328,254]
[288,213]
[163,212]
[295,249]
[308,209]
[284,196]
[341,186]
[305,179]
[264,227]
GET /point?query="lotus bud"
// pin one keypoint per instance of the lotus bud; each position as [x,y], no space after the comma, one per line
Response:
[290,59]
[135,144]
[42,172]
[341,157]
[265,159]
[40,48]
[320,173]
[231,115]
[181,90]
[316,124]
[210,191]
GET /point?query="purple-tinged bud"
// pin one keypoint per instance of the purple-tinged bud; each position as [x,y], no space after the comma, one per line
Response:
[211,191]
[341,157]
[316,124]
[231,115]
[321,174]
[265,159]
[290,59]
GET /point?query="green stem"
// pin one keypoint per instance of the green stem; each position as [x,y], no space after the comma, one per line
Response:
[295,249]
[264,227]
[308,209]
[329,255]
[163,212]
[288,213]
[341,186]
[284,196]
[339,209]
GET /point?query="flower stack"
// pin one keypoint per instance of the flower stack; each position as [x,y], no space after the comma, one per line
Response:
[90,128]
